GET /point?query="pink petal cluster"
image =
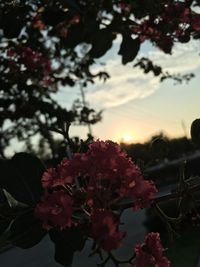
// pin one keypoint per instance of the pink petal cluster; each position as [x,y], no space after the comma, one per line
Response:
[104,230]
[105,170]
[150,253]
[57,176]
[55,209]
[175,21]
[30,59]
[38,23]
[196,22]
[93,183]
[111,170]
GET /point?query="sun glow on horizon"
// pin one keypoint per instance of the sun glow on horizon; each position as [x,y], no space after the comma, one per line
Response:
[127,138]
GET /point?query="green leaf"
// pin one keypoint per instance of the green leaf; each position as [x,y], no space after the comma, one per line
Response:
[66,243]
[12,202]
[26,231]
[10,208]
[129,48]
[101,43]
[21,177]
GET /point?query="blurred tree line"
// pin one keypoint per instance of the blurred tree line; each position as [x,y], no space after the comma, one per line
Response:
[160,148]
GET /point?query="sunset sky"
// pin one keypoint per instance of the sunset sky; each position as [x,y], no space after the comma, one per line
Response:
[138,105]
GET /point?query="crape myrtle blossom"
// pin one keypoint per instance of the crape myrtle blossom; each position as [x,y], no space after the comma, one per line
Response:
[55,209]
[104,230]
[31,60]
[93,183]
[59,176]
[150,253]
[111,170]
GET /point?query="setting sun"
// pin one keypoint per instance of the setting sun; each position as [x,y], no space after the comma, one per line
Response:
[127,138]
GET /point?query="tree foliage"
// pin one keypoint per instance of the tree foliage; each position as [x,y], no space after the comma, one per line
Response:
[46,44]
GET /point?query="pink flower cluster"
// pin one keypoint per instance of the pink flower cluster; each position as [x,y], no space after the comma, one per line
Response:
[93,184]
[150,253]
[32,60]
[104,229]
[175,21]
[55,209]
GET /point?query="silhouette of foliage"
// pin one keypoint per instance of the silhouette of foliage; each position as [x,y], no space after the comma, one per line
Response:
[45,44]
[159,148]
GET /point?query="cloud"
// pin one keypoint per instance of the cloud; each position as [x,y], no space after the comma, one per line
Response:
[128,83]
[184,58]
[123,86]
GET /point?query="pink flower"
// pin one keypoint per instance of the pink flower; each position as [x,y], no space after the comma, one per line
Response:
[64,171]
[59,176]
[31,59]
[104,230]
[176,10]
[63,31]
[196,22]
[107,162]
[79,165]
[105,173]
[38,23]
[150,253]
[110,164]
[55,209]
[48,178]
[143,194]
[75,20]
[125,8]
[46,65]
[98,180]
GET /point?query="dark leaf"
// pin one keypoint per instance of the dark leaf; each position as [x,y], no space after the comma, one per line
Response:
[186,205]
[195,132]
[26,231]
[166,44]
[21,177]
[12,202]
[159,147]
[129,48]
[101,43]
[184,251]
[75,36]
[66,243]
[53,16]
[3,225]
[184,38]
[157,70]
[67,81]
[9,209]
[13,20]
[4,239]
[72,4]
